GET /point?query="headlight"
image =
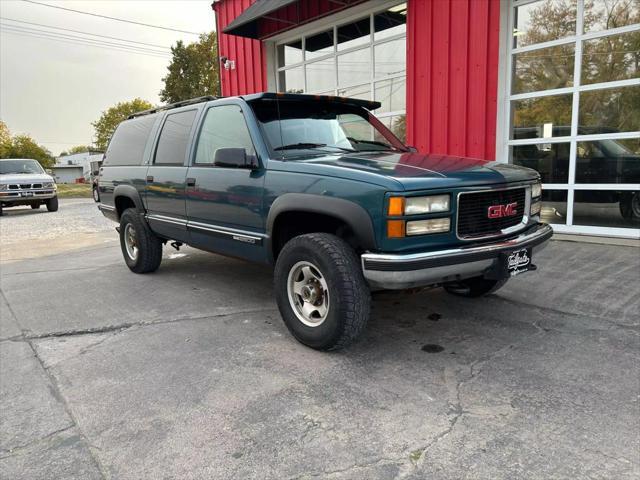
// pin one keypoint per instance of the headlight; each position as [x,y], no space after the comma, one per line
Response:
[418,205]
[48,185]
[422,227]
[536,207]
[536,190]
[3,186]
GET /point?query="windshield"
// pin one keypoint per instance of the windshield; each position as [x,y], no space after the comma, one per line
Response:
[20,166]
[291,126]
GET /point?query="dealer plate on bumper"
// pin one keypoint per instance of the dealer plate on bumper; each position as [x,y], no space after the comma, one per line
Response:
[512,263]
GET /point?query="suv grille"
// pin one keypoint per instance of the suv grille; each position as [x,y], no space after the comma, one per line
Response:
[473,212]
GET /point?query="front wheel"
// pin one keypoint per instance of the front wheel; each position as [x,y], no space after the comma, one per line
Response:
[630,206]
[96,194]
[52,204]
[474,287]
[141,249]
[322,296]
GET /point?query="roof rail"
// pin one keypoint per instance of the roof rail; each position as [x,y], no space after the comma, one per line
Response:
[169,106]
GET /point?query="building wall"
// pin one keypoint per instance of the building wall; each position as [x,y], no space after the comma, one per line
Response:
[452,76]
[250,74]
[67,174]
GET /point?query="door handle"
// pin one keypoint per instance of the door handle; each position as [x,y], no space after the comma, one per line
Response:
[149,178]
[191,182]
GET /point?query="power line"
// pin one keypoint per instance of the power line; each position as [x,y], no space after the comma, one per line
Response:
[84,33]
[75,42]
[111,18]
[18,28]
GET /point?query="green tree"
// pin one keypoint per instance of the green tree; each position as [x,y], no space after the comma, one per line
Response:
[193,71]
[110,118]
[22,146]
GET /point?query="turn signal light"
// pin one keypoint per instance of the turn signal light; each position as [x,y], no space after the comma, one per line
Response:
[396,206]
[395,228]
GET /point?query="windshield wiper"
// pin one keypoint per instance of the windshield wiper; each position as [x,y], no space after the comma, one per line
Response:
[301,146]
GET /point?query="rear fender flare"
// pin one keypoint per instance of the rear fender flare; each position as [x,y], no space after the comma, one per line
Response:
[130,192]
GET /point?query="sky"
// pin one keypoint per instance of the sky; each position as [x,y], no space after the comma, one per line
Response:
[53,90]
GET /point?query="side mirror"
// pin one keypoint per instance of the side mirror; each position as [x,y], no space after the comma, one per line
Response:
[234,158]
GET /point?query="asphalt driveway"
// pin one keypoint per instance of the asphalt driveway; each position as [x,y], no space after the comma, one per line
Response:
[190,373]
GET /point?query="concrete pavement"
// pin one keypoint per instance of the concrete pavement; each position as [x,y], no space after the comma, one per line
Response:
[190,373]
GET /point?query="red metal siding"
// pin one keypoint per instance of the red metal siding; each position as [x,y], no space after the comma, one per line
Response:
[250,74]
[452,76]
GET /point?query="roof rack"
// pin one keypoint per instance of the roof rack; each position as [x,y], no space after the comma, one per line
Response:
[169,106]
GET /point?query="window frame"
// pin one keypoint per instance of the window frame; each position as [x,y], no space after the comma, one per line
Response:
[192,160]
[505,116]
[333,25]
[152,162]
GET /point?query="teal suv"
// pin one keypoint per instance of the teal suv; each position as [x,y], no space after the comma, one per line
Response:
[319,188]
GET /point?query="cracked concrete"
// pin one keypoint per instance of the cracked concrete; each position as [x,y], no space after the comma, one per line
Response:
[189,373]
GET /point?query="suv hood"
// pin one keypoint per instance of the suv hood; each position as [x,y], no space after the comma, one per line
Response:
[414,171]
[25,178]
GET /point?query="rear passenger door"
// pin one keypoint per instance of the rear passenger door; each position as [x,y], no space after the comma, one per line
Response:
[224,204]
[165,191]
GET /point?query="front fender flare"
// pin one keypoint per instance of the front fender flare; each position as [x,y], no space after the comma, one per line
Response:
[349,212]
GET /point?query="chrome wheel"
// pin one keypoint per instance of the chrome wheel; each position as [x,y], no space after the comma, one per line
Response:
[131,242]
[308,293]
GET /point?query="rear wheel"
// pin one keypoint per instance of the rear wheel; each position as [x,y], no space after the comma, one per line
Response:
[52,204]
[474,287]
[35,206]
[322,296]
[141,249]
[96,194]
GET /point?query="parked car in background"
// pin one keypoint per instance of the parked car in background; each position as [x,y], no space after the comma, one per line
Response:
[23,181]
[318,187]
[597,161]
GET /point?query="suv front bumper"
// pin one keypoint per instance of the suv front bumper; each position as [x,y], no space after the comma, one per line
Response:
[397,271]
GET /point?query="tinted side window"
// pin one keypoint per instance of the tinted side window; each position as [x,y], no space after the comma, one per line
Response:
[127,144]
[174,138]
[223,127]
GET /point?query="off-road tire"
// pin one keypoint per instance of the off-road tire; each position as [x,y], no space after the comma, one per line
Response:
[349,295]
[149,245]
[52,204]
[35,206]
[475,287]
[627,209]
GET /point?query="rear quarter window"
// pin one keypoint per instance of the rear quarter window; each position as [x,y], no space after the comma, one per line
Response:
[129,140]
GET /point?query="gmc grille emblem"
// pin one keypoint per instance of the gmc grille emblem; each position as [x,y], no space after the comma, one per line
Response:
[499,211]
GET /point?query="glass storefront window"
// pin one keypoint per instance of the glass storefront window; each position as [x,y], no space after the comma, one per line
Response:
[289,53]
[611,110]
[292,80]
[611,58]
[542,117]
[354,67]
[543,69]
[390,23]
[592,122]
[392,94]
[544,21]
[354,34]
[606,208]
[551,160]
[359,91]
[318,45]
[608,161]
[607,14]
[554,206]
[365,59]
[390,58]
[321,75]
